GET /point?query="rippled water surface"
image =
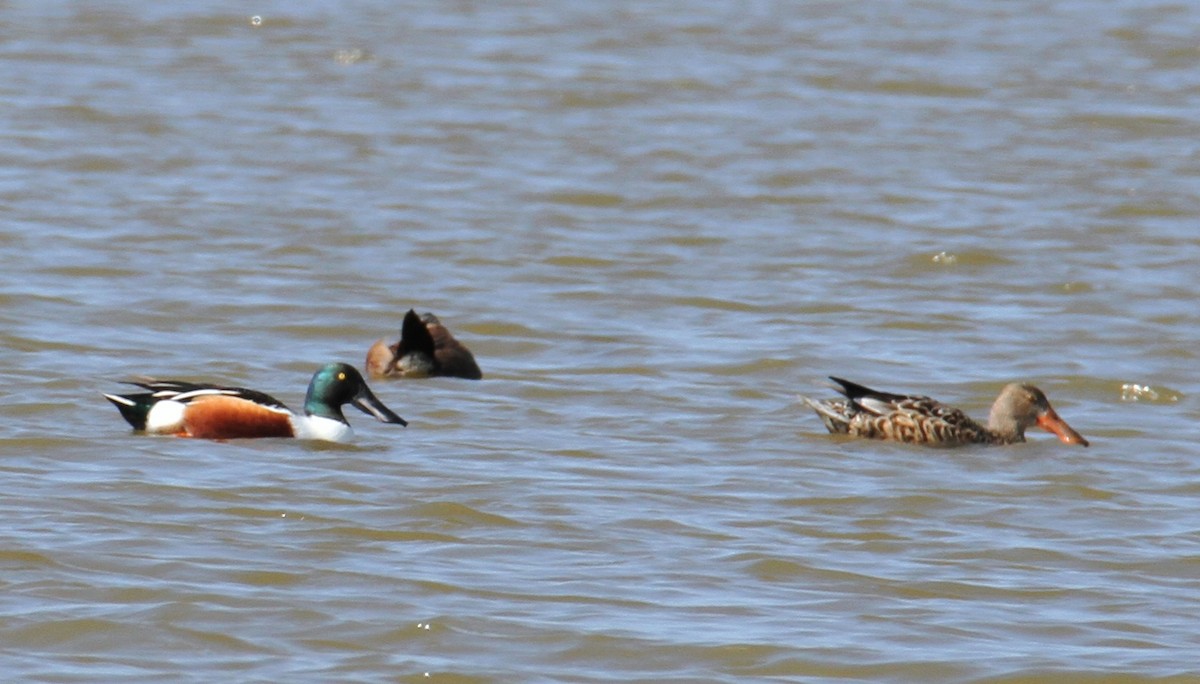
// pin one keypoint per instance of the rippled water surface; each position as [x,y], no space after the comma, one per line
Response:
[655,224]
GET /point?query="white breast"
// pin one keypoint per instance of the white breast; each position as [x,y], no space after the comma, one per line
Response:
[320,428]
[165,416]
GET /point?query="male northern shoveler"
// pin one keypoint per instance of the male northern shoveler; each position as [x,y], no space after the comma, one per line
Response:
[426,348]
[189,409]
[920,420]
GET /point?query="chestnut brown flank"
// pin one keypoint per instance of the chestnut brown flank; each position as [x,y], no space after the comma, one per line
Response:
[221,417]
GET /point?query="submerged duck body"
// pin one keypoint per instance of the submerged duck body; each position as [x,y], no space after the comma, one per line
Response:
[209,411]
[426,349]
[917,419]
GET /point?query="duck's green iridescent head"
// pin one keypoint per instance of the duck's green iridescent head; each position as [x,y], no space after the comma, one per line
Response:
[337,384]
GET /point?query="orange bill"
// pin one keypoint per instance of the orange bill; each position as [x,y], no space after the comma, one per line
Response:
[1050,422]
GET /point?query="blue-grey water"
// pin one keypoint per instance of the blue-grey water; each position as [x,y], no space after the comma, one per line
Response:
[655,223]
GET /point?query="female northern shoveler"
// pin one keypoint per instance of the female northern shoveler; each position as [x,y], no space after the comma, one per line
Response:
[426,348]
[921,420]
[207,411]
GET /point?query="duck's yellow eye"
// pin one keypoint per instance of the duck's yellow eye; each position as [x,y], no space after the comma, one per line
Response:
[341,376]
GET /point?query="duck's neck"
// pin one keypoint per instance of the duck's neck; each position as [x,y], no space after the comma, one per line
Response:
[315,407]
[1004,427]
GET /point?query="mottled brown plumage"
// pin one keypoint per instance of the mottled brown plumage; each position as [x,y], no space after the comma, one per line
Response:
[917,419]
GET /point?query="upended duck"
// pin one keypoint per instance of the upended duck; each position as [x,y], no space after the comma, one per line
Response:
[425,349]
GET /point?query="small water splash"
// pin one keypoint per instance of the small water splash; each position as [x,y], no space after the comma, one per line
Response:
[945,258]
[1135,392]
[346,57]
